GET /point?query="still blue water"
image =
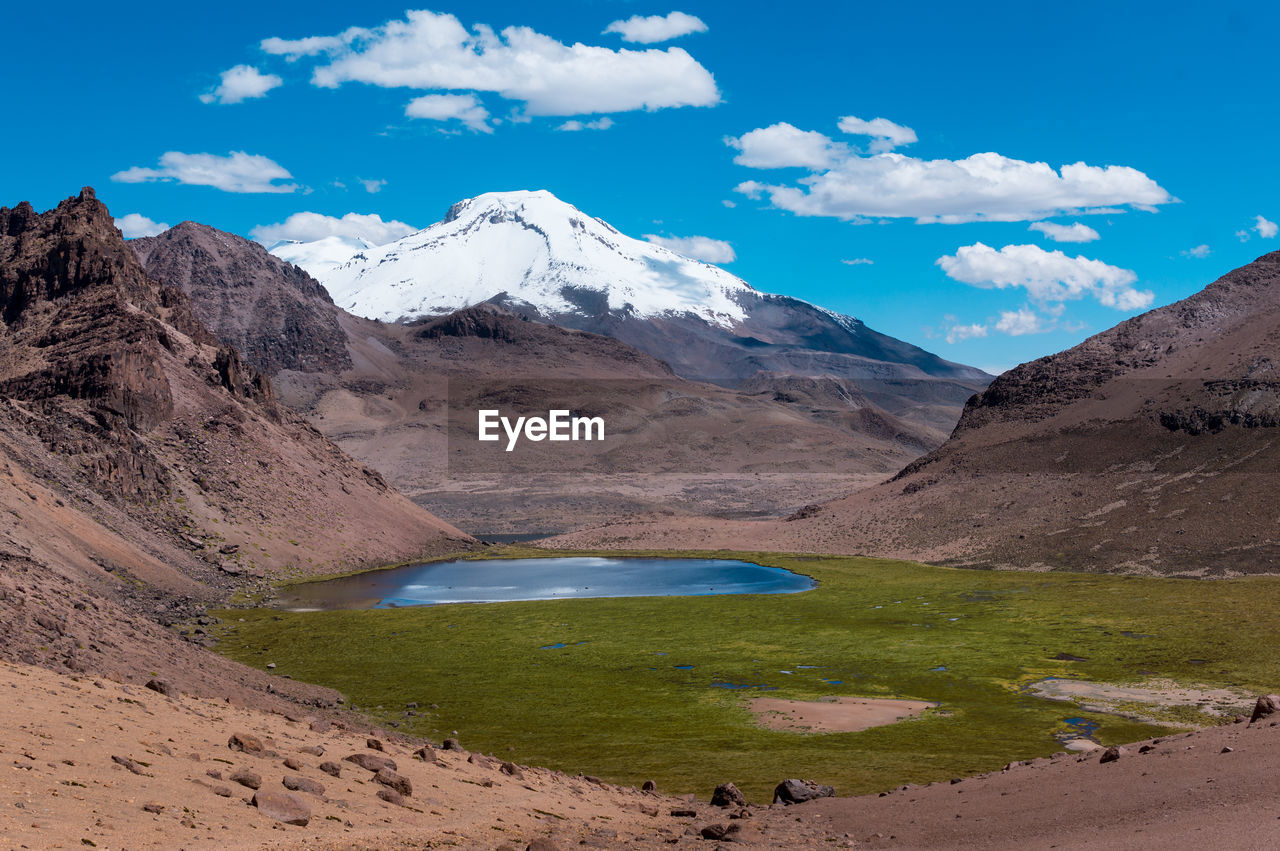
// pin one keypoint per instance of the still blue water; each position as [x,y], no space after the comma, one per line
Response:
[504,580]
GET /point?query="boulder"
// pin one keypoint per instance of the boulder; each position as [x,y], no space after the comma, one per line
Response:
[719,832]
[153,807]
[512,770]
[374,744]
[164,687]
[247,778]
[1111,754]
[293,763]
[798,791]
[370,762]
[283,807]
[331,768]
[425,753]
[728,795]
[245,743]
[391,796]
[1267,705]
[451,745]
[399,782]
[649,786]
[294,783]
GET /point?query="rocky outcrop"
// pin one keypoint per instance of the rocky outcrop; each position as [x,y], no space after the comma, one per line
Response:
[274,313]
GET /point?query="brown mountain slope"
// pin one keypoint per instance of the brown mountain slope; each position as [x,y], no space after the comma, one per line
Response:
[146,470]
[406,405]
[1151,447]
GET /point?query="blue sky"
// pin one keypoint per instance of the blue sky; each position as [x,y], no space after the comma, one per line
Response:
[1179,98]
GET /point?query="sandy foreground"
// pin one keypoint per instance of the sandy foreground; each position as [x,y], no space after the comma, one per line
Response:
[173,786]
[834,714]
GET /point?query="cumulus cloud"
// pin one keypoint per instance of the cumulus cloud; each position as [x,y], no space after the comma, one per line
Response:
[958,333]
[858,261]
[575,125]
[429,50]
[236,172]
[884,133]
[1016,323]
[308,227]
[655,28]
[1047,276]
[846,184]
[134,225]
[1074,232]
[465,108]
[702,248]
[1199,252]
[783,145]
[241,83]
[1265,229]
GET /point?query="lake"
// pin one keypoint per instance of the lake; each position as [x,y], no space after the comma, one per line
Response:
[505,580]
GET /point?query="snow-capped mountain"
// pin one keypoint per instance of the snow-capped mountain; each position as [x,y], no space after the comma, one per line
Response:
[545,258]
[320,255]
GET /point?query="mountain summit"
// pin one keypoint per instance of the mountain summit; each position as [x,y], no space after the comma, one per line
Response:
[544,258]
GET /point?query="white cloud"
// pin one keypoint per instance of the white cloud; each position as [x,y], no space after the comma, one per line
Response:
[465,108]
[885,134]
[241,83]
[858,261]
[134,225]
[236,172]
[957,333]
[983,187]
[308,227]
[428,50]
[1199,252]
[728,203]
[1074,232]
[575,125]
[373,186]
[656,28]
[782,145]
[1016,323]
[1266,229]
[702,248]
[1047,276]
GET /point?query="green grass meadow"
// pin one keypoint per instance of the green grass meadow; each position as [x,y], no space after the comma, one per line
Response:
[621,701]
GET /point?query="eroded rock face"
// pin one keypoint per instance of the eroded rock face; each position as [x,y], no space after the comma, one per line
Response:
[272,311]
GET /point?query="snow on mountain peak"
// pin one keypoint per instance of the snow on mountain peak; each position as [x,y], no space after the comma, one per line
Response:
[530,246]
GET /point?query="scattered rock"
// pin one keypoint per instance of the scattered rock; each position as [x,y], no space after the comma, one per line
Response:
[1267,705]
[719,832]
[512,770]
[374,744]
[682,813]
[321,726]
[425,753]
[331,768]
[130,765]
[391,796]
[283,807]
[245,743]
[222,791]
[1111,754]
[451,745]
[370,762]
[292,763]
[230,568]
[399,782]
[153,807]
[728,795]
[798,791]
[294,783]
[1227,750]
[542,844]
[228,549]
[481,760]
[649,786]
[312,750]
[247,778]
[165,687]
